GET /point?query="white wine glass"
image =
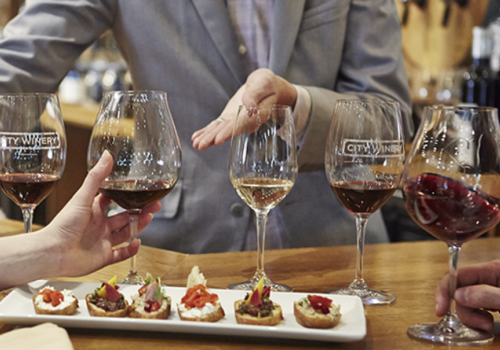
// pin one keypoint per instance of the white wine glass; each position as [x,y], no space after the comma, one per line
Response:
[450,187]
[32,149]
[263,168]
[137,129]
[364,161]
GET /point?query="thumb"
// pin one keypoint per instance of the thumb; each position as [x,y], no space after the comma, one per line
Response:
[95,177]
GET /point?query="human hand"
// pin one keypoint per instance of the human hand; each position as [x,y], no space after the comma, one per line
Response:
[262,88]
[478,290]
[84,237]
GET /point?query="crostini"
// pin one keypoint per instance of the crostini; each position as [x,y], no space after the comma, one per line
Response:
[106,301]
[53,302]
[257,308]
[315,311]
[151,302]
[200,305]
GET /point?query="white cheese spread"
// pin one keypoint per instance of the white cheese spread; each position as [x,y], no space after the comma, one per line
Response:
[197,311]
[68,300]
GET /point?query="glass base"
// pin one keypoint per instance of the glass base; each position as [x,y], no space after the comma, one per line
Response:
[449,331]
[133,278]
[368,296]
[252,283]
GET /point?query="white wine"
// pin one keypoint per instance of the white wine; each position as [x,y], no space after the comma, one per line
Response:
[262,194]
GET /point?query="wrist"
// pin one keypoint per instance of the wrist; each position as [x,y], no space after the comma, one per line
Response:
[287,93]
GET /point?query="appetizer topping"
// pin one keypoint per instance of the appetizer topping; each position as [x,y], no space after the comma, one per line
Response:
[51,299]
[198,296]
[257,303]
[319,303]
[196,277]
[153,294]
[107,296]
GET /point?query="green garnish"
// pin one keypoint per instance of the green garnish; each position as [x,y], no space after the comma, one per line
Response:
[148,279]
[158,292]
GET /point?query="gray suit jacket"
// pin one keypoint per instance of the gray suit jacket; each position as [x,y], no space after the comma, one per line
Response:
[189,49]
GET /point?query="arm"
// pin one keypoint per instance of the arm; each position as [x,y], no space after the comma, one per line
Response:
[371,66]
[42,43]
[478,290]
[78,241]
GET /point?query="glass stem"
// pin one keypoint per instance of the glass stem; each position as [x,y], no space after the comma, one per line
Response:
[359,282]
[261,239]
[134,223]
[453,250]
[28,218]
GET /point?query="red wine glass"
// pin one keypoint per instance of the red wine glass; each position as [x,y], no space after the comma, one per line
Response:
[449,187]
[364,160]
[33,149]
[137,129]
[263,168]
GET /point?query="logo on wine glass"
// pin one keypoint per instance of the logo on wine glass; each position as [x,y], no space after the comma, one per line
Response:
[372,149]
[36,140]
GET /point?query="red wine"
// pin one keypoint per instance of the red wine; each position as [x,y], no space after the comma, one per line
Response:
[135,194]
[449,210]
[27,189]
[363,197]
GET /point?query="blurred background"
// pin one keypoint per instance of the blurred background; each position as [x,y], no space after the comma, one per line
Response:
[452,56]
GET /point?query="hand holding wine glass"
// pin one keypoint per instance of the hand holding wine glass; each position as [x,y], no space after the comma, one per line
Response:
[451,191]
[33,149]
[364,162]
[263,168]
[137,129]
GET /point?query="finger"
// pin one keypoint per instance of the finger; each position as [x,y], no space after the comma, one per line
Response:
[103,202]
[117,222]
[442,298]
[208,139]
[224,134]
[201,134]
[485,273]
[125,253]
[479,297]
[144,221]
[95,177]
[475,318]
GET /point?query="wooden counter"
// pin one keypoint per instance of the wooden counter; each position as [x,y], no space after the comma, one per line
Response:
[409,270]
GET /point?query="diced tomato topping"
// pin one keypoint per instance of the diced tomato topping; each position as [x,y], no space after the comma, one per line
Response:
[142,290]
[155,306]
[198,296]
[111,293]
[320,304]
[52,296]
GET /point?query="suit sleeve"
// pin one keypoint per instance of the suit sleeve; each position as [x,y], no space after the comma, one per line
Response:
[42,43]
[372,64]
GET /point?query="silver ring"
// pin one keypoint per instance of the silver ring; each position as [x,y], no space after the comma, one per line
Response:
[220,119]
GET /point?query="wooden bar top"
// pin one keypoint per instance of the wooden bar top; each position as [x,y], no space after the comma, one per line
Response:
[13,227]
[410,270]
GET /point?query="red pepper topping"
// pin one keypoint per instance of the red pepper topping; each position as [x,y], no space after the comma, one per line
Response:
[52,296]
[198,296]
[320,304]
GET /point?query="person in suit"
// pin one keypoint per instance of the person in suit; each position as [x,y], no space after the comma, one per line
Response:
[78,241]
[194,50]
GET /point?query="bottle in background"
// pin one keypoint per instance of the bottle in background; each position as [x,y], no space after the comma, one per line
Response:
[479,80]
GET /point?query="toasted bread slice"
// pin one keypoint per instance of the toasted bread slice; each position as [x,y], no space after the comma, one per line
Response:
[306,316]
[215,316]
[270,320]
[96,311]
[67,310]
[136,310]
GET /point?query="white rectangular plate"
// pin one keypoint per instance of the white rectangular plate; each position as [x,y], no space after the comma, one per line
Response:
[17,308]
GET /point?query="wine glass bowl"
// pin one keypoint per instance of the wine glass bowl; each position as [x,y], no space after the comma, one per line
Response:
[263,168]
[137,129]
[364,162]
[33,149]
[450,187]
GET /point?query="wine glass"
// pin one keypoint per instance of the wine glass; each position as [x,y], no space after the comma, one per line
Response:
[33,149]
[263,168]
[137,129]
[364,159]
[450,186]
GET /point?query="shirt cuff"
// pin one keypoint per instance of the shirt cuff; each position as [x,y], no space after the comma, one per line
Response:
[301,113]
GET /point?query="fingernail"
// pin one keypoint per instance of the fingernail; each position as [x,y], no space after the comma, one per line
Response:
[105,158]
